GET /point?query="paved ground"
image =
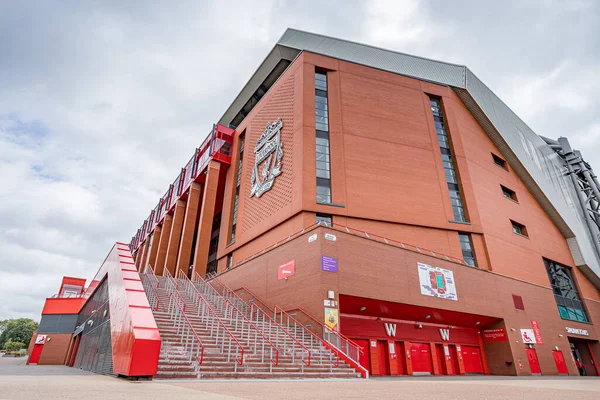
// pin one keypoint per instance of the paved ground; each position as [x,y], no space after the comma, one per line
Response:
[18,381]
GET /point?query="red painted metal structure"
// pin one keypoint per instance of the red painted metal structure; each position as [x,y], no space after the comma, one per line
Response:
[217,146]
[134,334]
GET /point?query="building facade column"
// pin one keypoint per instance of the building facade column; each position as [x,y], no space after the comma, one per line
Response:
[141,255]
[163,243]
[207,214]
[189,227]
[154,247]
[175,237]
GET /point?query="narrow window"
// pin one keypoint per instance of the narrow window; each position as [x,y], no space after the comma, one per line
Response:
[509,194]
[566,295]
[467,249]
[322,139]
[448,161]
[324,219]
[499,161]
[238,178]
[229,260]
[519,229]
[518,302]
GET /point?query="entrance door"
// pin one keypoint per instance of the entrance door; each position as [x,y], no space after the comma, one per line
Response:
[441,359]
[36,353]
[583,357]
[420,354]
[534,364]
[472,360]
[397,359]
[559,360]
[382,358]
[364,357]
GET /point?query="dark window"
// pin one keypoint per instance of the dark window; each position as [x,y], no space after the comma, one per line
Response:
[518,301]
[236,200]
[467,249]
[322,139]
[519,229]
[509,194]
[324,219]
[499,161]
[229,260]
[448,161]
[566,295]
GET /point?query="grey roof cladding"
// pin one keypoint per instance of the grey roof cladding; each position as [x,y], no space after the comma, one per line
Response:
[530,157]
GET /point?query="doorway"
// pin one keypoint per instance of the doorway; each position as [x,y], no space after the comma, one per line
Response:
[421,358]
[580,350]
[534,364]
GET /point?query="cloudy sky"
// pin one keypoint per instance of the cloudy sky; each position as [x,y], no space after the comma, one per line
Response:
[101,103]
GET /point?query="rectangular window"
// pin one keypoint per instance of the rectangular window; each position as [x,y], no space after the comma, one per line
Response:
[322,139]
[519,229]
[229,260]
[509,194]
[499,161]
[238,182]
[566,295]
[324,219]
[447,159]
[467,249]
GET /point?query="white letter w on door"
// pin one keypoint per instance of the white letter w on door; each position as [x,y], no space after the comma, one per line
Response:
[445,333]
[390,329]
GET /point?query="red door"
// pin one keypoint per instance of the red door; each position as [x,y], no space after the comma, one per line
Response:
[454,359]
[441,359]
[36,353]
[382,358]
[560,362]
[398,358]
[472,360]
[420,353]
[534,364]
[363,358]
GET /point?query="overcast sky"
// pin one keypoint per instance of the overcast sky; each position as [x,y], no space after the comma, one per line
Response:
[101,103]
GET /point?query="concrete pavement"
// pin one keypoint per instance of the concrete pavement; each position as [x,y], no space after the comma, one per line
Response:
[19,381]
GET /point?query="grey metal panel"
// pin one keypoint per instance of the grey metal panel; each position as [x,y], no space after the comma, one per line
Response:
[400,63]
[57,323]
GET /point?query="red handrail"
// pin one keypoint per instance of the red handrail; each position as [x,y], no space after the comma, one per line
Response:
[264,313]
[167,274]
[155,295]
[192,328]
[240,360]
[336,333]
[328,345]
[253,295]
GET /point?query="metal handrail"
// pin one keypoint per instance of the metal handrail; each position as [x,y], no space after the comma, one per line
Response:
[183,276]
[265,318]
[215,317]
[172,287]
[349,344]
[150,272]
[151,292]
[303,329]
[181,330]
[254,296]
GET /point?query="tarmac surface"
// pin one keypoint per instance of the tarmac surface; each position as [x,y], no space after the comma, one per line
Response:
[19,381]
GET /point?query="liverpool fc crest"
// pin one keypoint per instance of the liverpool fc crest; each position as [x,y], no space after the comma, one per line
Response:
[268,152]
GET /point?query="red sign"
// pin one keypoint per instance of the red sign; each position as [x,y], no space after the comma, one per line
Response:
[286,270]
[536,332]
[494,335]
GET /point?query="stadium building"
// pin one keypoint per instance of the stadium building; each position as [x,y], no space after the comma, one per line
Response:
[355,211]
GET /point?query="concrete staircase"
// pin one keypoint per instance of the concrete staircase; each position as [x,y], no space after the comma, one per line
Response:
[237,341]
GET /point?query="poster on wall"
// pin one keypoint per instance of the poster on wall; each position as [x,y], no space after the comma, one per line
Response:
[494,335]
[528,336]
[40,339]
[286,270]
[536,332]
[437,282]
[331,318]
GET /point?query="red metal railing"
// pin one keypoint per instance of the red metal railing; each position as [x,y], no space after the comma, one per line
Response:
[283,338]
[224,337]
[150,283]
[192,344]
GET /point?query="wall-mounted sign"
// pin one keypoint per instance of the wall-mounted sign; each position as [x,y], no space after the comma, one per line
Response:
[528,336]
[268,153]
[390,329]
[576,331]
[330,236]
[331,318]
[40,339]
[312,238]
[494,335]
[329,264]
[536,332]
[445,334]
[437,282]
[286,270]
